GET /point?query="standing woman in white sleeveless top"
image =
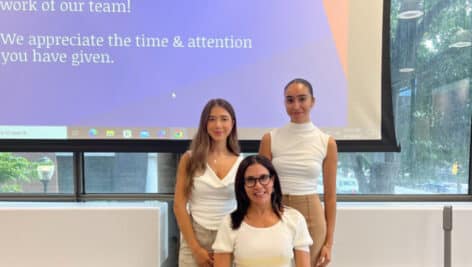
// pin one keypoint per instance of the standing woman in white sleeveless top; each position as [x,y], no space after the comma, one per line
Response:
[204,190]
[300,153]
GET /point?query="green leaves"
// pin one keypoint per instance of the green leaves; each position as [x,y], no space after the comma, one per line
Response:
[15,170]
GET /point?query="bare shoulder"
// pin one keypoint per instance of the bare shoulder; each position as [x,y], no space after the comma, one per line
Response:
[184,159]
[265,148]
[332,144]
[186,156]
[180,184]
[266,137]
[332,152]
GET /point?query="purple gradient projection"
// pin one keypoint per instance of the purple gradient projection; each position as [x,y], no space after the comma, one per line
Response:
[167,85]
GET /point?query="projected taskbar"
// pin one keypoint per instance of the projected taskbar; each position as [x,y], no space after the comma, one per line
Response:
[155,133]
[64,132]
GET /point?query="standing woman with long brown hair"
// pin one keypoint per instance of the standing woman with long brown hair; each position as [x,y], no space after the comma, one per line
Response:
[301,153]
[204,190]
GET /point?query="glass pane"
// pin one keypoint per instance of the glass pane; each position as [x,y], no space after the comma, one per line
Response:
[36,173]
[130,172]
[431,81]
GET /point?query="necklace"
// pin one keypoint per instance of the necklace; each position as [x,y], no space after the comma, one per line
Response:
[215,159]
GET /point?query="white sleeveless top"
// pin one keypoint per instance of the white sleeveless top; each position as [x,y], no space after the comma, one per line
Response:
[212,198]
[298,151]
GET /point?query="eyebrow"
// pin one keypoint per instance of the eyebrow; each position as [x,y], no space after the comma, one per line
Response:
[264,174]
[221,116]
[291,96]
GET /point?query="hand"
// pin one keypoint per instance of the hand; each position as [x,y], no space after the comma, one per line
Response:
[325,256]
[203,257]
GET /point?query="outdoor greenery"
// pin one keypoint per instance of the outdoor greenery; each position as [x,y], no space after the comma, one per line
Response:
[15,170]
[432,104]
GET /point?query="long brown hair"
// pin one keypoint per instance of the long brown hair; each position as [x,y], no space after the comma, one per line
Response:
[200,146]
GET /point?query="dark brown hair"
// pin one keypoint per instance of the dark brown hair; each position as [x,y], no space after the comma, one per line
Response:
[301,81]
[243,199]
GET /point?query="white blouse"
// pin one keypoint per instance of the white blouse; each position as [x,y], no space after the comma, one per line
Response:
[212,198]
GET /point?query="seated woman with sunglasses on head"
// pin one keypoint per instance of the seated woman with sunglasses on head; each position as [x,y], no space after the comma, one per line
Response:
[261,231]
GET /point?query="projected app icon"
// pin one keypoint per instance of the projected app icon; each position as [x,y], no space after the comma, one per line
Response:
[75,133]
[144,134]
[127,133]
[93,132]
[110,133]
[162,133]
[178,133]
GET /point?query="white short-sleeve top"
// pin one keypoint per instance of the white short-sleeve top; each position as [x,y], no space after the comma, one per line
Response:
[270,246]
[298,151]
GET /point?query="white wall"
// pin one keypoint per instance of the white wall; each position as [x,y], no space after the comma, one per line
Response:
[83,234]
[400,234]
[462,236]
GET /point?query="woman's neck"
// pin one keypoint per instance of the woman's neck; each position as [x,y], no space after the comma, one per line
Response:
[219,148]
[261,216]
[257,210]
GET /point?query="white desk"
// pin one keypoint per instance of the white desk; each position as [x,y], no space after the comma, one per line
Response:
[400,235]
[92,234]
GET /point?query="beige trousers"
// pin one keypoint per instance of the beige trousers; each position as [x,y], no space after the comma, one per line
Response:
[310,207]
[204,236]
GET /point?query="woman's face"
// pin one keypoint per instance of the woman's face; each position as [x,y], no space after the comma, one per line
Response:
[298,103]
[258,184]
[219,124]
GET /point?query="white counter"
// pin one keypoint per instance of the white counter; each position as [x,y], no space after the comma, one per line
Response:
[91,234]
[400,234]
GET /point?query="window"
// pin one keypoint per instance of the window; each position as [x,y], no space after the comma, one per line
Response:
[130,172]
[431,82]
[27,173]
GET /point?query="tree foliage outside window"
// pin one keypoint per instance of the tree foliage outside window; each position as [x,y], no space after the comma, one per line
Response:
[15,171]
[432,107]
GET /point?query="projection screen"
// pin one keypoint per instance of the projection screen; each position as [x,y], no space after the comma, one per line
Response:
[124,74]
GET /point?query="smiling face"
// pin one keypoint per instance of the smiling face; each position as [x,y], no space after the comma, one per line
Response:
[260,193]
[298,102]
[219,124]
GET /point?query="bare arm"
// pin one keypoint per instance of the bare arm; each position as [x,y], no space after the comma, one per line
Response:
[329,182]
[264,147]
[329,179]
[223,259]
[182,216]
[302,258]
